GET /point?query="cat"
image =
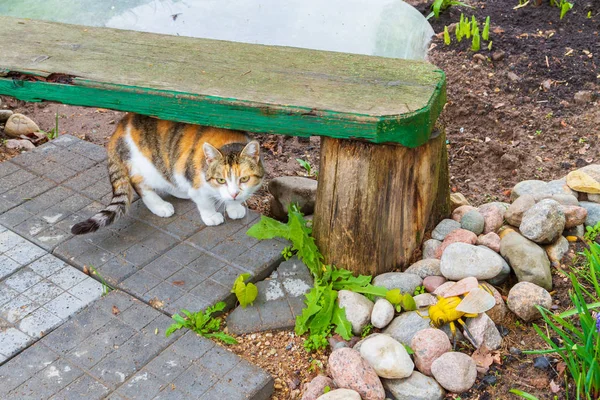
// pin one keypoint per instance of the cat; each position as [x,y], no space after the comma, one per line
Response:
[211,166]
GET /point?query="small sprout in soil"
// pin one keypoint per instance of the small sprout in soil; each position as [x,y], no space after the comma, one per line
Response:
[549,115]
[105,286]
[287,253]
[202,323]
[366,330]
[310,171]
[538,132]
[419,290]
[589,15]
[440,5]
[245,293]
[592,233]
[565,6]
[446,36]
[476,43]
[485,35]
[326,389]
[489,47]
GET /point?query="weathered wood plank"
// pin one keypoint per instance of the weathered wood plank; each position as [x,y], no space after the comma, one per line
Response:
[235,85]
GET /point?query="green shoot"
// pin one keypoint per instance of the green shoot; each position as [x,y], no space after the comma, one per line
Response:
[459,31]
[476,43]
[202,323]
[565,6]
[489,47]
[245,293]
[307,167]
[523,394]
[485,35]
[287,253]
[592,233]
[446,36]
[366,330]
[441,5]
[105,286]
[589,15]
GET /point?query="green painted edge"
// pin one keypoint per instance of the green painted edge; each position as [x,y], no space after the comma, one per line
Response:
[410,130]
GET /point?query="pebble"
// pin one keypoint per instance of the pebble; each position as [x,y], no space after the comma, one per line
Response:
[292,189]
[512,76]
[529,261]
[433,282]
[458,236]
[406,282]
[425,268]
[18,124]
[382,314]
[458,213]
[359,344]
[340,394]
[593,209]
[540,188]
[582,182]
[515,212]
[484,332]
[404,327]
[457,200]
[415,387]
[490,240]
[424,300]
[349,370]
[557,250]
[473,221]
[574,215]
[498,55]
[428,345]
[493,216]
[358,309]
[499,312]
[5,114]
[559,187]
[455,372]
[544,222]
[541,362]
[524,296]
[315,387]
[444,228]
[461,260]
[563,199]
[19,144]
[594,198]
[430,248]
[504,273]
[515,351]
[387,356]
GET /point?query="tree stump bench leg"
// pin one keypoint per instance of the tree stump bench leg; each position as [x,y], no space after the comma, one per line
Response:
[374,201]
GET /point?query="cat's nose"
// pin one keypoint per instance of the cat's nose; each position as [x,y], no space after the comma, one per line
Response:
[234,195]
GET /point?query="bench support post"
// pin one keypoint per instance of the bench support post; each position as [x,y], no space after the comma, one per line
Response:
[375,201]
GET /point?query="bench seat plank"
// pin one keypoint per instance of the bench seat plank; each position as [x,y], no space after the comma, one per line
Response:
[258,88]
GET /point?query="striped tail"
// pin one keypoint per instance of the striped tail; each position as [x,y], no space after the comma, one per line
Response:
[122,195]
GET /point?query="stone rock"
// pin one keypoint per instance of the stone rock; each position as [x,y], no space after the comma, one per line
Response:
[430,248]
[582,182]
[458,213]
[428,345]
[594,198]
[461,260]
[458,236]
[415,387]
[490,240]
[504,273]
[382,314]
[562,199]
[499,312]
[424,300]
[444,228]
[544,222]
[513,77]
[431,283]
[387,356]
[574,215]
[493,217]
[19,144]
[406,282]
[455,372]
[358,309]
[498,55]
[425,268]
[5,115]
[557,250]
[340,394]
[484,332]
[583,97]
[18,124]
[527,259]
[524,296]
[349,370]
[314,388]
[515,212]
[457,200]
[577,231]
[559,187]
[593,210]
[473,221]
[359,344]
[292,189]
[404,327]
[541,188]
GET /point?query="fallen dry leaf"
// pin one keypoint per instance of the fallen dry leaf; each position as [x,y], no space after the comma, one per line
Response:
[178,283]
[560,367]
[115,310]
[156,303]
[86,270]
[554,388]
[483,359]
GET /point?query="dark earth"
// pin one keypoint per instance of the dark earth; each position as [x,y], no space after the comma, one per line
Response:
[511,115]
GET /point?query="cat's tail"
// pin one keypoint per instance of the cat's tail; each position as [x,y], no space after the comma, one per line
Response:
[122,196]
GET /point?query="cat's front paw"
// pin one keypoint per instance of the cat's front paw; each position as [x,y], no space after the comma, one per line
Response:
[163,209]
[213,219]
[236,211]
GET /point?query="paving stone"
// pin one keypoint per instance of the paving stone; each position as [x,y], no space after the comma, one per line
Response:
[87,290]
[7,266]
[6,294]
[196,381]
[39,323]
[22,280]
[23,367]
[64,305]
[42,292]
[47,265]
[25,253]
[169,365]
[67,277]
[48,381]
[84,387]
[12,340]
[143,385]
[16,309]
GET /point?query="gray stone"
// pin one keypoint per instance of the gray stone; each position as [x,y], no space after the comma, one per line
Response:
[484,331]
[404,327]
[563,199]
[540,188]
[358,309]
[515,212]
[557,250]
[430,248]
[424,268]
[415,387]
[594,198]
[444,228]
[406,282]
[574,215]
[340,394]
[577,231]
[5,114]
[524,297]
[387,356]
[292,189]
[583,97]
[527,259]
[18,124]
[315,387]
[424,300]
[382,314]
[454,371]
[504,273]
[593,209]
[544,222]
[473,221]
[462,260]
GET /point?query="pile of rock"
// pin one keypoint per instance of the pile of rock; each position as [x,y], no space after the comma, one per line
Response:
[22,131]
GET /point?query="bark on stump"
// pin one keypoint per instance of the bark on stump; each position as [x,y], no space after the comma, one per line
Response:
[375,201]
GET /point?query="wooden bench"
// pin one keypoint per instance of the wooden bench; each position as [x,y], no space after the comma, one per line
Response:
[383,169]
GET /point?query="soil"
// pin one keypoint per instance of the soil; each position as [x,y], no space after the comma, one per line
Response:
[511,115]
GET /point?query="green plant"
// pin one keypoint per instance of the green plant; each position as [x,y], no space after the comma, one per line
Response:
[366,330]
[322,314]
[440,5]
[476,43]
[591,233]
[401,301]
[105,286]
[310,171]
[419,290]
[564,6]
[326,389]
[486,29]
[589,15]
[446,36]
[202,323]
[287,253]
[53,134]
[580,338]
[523,394]
[245,293]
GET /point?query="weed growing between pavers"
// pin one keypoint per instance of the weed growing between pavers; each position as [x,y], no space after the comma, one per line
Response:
[202,323]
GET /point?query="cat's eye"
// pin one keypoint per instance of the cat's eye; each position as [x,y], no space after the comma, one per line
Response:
[244,179]
[221,180]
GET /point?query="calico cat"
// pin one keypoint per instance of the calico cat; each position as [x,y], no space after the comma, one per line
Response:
[211,166]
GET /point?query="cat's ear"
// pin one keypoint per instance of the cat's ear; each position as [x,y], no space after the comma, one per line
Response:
[211,153]
[252,150]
